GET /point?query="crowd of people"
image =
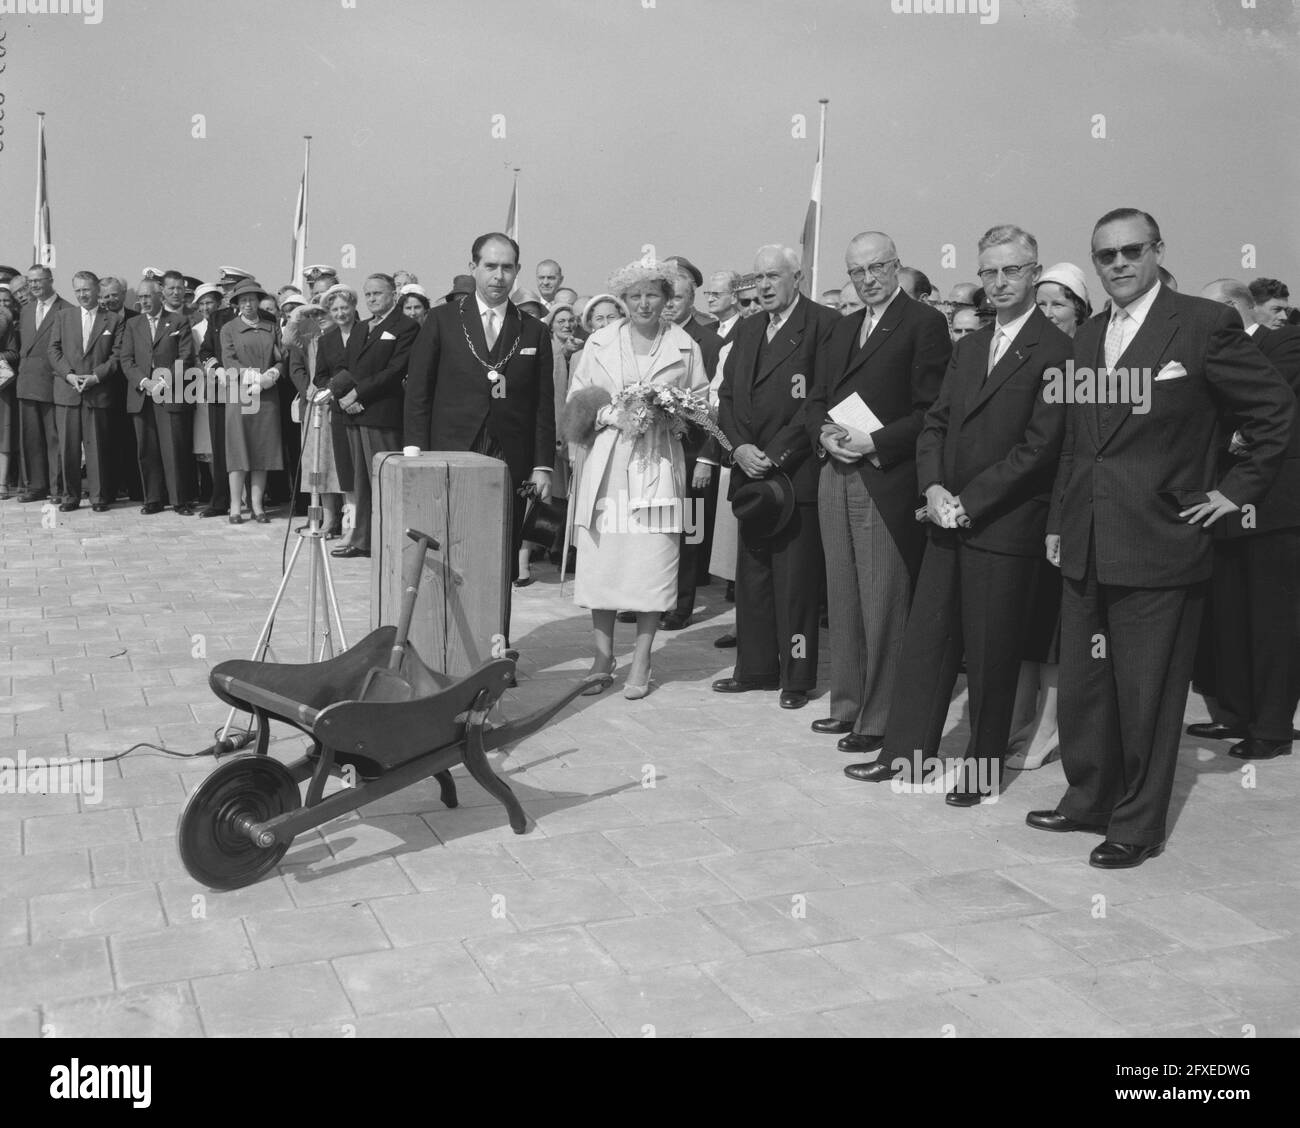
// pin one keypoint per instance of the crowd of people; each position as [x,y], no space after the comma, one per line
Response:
[1083,511]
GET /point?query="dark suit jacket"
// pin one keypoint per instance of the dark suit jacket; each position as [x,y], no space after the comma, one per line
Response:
[449,398]
[1123,477]
[898,374]
[1279,508]
[374,365]
[35,376]
[141,356]
[994,442]
[766,404]
[66,356]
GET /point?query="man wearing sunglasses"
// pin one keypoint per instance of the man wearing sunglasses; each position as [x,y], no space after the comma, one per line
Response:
[1136,496]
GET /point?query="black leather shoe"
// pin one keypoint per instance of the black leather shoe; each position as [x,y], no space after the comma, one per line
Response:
[99,507]
[672,621]
[831,726]
[263,519]
[208,511]
[740,685]
[859,742]
[152,507]
[874,772]
[1120,855]
[184,510]
[1055,821]
[726,642]
[958,798]
[69,506]
[33,495]
[1212,730]
[1254,749]
[794,698]
[347,552]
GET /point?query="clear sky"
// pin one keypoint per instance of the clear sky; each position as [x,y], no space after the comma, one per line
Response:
[664,122]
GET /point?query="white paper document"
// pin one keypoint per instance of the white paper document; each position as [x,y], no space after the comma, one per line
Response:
[854,412]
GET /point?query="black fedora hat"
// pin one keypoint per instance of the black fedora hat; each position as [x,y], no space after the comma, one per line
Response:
[544,522]
[764,507]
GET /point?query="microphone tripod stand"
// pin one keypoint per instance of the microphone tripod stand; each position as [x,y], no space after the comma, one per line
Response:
[319,582]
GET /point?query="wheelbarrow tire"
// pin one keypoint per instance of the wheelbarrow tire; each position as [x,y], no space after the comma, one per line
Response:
[214,847]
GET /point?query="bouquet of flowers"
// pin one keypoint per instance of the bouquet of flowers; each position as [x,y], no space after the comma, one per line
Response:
[641,406]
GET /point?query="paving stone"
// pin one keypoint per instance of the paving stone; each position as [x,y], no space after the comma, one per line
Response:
[441,866]
[779,983]
[670,842]
[549,1012]
[787,1026]
[1140,995]
[420,976]
[95,912]
[668,887]
[589,852]
[1033,1008]
[661,1004]
[538,958]
[48,833]
[166,1011]
[418,1022]
[769,872]
[1197,921]
[206,948]
[55,970]
[32,875]
[645,942]
[307,935]
[248,1002]
[917,1016]
[454,913]
[549,901]
[776,923]
[347,881]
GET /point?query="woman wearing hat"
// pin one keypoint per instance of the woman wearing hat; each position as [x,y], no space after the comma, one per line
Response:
[415,302]
[1062,295]
[313,410]
[628,496]
[253,359]
[207,301]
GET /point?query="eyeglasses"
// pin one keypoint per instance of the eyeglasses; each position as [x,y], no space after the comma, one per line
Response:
[878,270]
[714,293]
[747,302]
[1010,273]
[1131,252]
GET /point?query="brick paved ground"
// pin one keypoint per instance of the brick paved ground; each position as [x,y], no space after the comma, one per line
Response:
[751,890]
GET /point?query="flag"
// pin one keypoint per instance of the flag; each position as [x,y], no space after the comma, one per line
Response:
[808,240]
[43,242]
[512,215]
[300,225]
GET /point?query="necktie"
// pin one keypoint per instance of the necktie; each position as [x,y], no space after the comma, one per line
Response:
[490,331]
[153,328]
[41,307]
[1000,343]
[1115,335]
[772,326]
[87,320]
[867,325]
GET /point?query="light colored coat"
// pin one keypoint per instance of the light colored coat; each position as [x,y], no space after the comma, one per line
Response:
[656,471]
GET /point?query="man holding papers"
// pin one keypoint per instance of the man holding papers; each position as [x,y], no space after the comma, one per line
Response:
[875,379]
[986,459]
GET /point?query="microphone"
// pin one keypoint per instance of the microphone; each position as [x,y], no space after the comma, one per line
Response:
[231,744]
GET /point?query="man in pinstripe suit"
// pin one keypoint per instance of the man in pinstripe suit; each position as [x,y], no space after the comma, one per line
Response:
[1137,491]
[891,355]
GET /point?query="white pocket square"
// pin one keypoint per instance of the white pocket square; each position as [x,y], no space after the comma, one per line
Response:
[527,352]
[387,336]
[107,333]
[176,334]
[1171,371]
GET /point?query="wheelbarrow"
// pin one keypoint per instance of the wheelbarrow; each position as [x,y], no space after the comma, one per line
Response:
[240,821]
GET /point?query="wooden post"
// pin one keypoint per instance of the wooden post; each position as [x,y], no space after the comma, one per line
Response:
[464,501]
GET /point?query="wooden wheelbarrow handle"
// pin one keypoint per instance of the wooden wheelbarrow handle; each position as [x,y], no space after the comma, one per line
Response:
[512,731]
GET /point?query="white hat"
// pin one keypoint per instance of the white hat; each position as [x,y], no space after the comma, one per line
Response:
[413,288]
[151,272]
[204,291]
[1068,275]
[292,299]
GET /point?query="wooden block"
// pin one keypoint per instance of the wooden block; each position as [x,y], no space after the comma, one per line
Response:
[464,501]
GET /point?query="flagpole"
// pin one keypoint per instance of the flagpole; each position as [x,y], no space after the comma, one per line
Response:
[38,228]
[300,243]
[817,219]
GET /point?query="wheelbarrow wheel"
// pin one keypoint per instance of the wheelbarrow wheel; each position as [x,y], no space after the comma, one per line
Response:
[212,837]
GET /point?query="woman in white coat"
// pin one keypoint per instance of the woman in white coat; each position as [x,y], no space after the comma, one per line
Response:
[628,494]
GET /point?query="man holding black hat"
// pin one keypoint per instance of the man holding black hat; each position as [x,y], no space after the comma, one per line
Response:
[762,402]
